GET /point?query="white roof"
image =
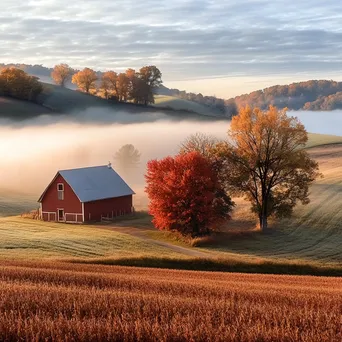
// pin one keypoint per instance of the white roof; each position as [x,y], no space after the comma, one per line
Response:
[95,183]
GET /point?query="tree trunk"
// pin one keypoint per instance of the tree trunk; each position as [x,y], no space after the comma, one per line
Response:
[263,223]
[263,215]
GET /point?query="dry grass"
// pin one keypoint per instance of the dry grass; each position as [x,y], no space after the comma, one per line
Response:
[316,140]
[22,238]
[312,234]
[33,215]
[62,302]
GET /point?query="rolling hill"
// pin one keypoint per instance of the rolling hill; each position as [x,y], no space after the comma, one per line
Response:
[313,234]
[165,101]
[316,140]
[58,100]
[308,95]
[16,109]
[311,237]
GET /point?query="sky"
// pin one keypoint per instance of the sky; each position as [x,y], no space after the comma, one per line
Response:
[216,47]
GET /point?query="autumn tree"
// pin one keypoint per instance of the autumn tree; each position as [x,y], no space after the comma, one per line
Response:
[17,83]
[61,73]
[183,195]
[122,87]
[266,161]
[132,84]
[140,93]
[85,79]
[205,144]
[151,77]
[109,83]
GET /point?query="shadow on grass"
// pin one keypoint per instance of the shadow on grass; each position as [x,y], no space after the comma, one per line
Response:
[139,219]
[221,265]
[220,239]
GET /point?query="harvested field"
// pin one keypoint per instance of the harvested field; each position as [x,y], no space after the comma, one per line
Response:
[63,302]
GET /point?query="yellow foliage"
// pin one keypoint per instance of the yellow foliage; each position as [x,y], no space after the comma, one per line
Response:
[85,79]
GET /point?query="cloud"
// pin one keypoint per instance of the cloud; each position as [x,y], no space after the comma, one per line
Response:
[186,39]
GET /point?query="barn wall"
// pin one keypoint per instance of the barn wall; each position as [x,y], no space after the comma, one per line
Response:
[70,203]
[119,205]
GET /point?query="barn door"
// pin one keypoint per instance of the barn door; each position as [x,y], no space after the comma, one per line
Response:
[60,215]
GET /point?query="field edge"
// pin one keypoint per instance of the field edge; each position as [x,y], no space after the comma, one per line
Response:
[217,265]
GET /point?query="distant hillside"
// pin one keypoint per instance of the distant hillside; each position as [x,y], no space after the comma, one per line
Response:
[330,102]
[208,103]
[313,95]
[164,101]
[58,100]
[309,95]
[181,100]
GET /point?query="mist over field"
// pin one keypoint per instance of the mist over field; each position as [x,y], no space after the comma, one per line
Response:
[33,150]
[320,122]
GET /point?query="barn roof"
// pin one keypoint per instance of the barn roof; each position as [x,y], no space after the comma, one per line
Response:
[95,183]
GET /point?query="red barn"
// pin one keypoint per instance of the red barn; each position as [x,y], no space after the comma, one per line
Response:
[86,194]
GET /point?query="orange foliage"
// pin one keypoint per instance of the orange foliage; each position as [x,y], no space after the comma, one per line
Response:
[61,73]
[17,83]
[85,79]
[267,162]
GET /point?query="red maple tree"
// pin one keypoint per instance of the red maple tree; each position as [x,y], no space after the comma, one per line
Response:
[185,194]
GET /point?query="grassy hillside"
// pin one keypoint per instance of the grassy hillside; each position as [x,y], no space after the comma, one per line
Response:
[22,238]
[313,235]
[16,109]
[64,100]
[58,100]
[323,139]
[180,104]
[12,203]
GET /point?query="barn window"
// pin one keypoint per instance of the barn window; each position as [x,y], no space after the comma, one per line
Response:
[60,191]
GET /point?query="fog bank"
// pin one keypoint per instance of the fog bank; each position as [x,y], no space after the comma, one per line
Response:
[32,151]
[321,122]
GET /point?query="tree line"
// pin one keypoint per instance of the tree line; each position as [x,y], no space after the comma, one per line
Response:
[130,86]
[330,102]
[224,107]
[18,84]
[263,160]
[310,95]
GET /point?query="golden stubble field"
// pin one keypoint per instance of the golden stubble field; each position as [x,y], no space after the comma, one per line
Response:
[66,302]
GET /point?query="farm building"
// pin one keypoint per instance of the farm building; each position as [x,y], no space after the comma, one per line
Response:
[86,194]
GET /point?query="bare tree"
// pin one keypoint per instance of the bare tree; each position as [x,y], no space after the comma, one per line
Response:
[199,142]
[127,160]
